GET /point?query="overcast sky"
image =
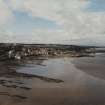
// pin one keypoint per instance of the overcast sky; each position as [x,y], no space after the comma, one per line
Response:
[53,21]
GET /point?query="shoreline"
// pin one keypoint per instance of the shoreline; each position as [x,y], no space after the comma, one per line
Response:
[78,88]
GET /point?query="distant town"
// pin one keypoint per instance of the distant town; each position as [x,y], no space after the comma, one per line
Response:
[20,51]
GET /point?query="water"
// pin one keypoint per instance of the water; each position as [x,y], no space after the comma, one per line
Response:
[53,67]
[83,80]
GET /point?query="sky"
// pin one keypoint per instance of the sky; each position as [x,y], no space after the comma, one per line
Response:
[53,21]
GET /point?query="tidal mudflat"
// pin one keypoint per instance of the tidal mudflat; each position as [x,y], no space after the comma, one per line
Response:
[53,81]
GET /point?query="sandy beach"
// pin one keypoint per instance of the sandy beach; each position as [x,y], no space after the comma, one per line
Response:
[53,81]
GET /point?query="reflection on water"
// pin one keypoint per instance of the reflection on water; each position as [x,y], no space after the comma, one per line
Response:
[55,81]
[49,68]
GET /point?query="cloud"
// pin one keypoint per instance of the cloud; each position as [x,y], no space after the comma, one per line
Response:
[49,9]
[37,36]
[77,23]
[49,36]
[5,13]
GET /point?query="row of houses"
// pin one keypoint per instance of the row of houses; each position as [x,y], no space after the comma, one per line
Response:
[19,52]
[33,52]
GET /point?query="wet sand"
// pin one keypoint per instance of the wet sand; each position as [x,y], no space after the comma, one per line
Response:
[34,81]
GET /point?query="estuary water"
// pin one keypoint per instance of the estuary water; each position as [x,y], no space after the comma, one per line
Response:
[53,81]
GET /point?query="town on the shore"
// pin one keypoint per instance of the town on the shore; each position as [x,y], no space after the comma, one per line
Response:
[20,51]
